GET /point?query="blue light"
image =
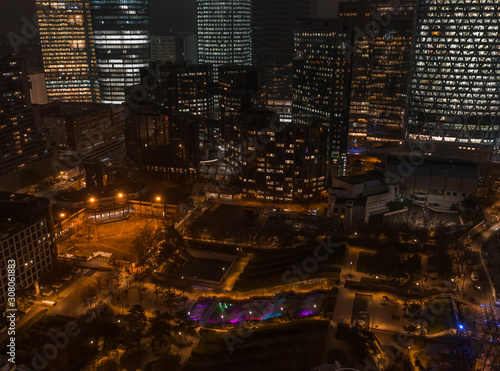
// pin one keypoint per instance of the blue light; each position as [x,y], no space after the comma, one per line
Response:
[461,327]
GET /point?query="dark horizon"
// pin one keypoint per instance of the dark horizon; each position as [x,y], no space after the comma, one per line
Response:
[166,15]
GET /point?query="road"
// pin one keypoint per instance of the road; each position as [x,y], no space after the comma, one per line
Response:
[485,296]
[51,191]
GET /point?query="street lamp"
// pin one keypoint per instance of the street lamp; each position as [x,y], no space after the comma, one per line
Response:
[61,216]
[350,268]
[158,199]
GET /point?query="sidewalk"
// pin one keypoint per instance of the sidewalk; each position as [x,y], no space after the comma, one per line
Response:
[23,320]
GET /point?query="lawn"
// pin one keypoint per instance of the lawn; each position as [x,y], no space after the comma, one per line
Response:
[267,268]
[365,262]
[440,320]
[206,269]
[295,346]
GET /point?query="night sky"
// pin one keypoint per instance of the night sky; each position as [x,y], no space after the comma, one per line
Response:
[166,15]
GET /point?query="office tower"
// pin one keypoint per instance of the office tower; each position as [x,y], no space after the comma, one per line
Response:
[26,236]
[121,35]
[321,82]
[22,145]
[381,57]
[166,49]
[67,44]
[189,48]
[277,163]
[240,87]
[454,91]
[224,32]
[273,25]
[181,48]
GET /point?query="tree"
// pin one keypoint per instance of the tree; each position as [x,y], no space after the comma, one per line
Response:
[412,265]
[88,292]
[171,298]
[143,243]
[25,298]
[160,328]
[135,322]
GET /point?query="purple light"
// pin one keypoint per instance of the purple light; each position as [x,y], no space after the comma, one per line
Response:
[305,312]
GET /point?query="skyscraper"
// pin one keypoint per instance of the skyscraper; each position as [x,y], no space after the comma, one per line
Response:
[454,93]
[121,34]
[321,81]
[273,24]
[224,32]
[381,62]
[67,45]
[22,146]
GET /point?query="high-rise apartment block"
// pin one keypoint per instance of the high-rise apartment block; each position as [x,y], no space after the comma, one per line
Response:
[282,163]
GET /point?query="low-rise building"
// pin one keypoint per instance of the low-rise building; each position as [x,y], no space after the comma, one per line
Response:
[354,199]
[435,183]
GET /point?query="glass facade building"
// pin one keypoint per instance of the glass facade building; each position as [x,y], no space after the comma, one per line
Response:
[224,32]
[67,45]
[381,58]
[122,44]
[455,84]
[321,81]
